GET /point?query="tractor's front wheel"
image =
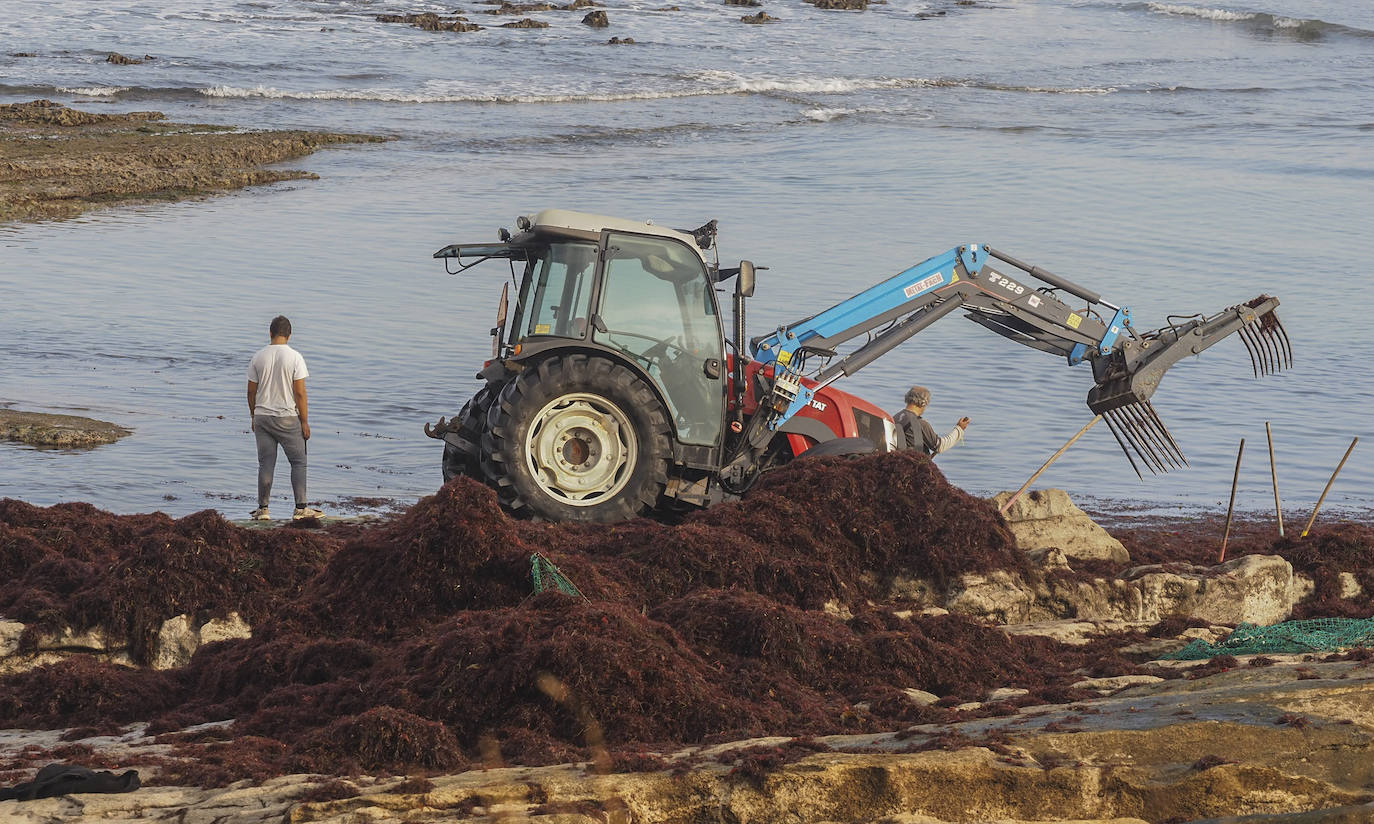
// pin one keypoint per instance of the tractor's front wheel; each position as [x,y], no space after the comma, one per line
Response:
[577,438]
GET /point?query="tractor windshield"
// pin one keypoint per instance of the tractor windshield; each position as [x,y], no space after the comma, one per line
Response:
[657,306]
[556,291]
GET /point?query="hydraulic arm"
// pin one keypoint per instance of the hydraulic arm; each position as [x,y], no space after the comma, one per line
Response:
[1127,365]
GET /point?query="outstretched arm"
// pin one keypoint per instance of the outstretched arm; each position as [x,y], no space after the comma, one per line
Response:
[954,437]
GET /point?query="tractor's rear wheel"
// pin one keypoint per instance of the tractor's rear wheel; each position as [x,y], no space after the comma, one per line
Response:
[463,442]
[577,438]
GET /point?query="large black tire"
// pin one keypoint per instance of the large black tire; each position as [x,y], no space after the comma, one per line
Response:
[577,438]
[463,443]
[840,446]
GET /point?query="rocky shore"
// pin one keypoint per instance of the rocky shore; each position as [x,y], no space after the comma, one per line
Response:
[57,162]
[804,654]
[61,431]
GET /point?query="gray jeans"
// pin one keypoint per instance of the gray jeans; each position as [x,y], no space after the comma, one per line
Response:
[270,432]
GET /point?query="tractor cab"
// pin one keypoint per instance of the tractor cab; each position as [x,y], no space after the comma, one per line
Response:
[638,294]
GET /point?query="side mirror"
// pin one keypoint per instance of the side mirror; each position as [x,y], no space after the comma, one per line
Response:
[744,285]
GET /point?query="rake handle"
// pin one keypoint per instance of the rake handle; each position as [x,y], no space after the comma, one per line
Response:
[1274,473]
[1225,536]
[1046,465]
[1339,467]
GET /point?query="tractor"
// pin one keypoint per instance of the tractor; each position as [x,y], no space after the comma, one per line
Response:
[613,391]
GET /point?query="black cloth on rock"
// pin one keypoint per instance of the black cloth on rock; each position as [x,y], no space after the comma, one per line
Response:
[64,779]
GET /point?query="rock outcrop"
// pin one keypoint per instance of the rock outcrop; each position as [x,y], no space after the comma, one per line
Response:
[112,159]
[429,21]
[177,640]
[596,19]
[62,431]
[761,17]
[1292,743]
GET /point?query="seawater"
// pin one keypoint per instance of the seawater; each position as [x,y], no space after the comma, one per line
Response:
[1176,157]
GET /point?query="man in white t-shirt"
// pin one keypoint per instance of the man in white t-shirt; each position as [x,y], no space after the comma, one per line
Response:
[280,415]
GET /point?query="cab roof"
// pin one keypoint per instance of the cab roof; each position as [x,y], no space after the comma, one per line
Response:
[565,223]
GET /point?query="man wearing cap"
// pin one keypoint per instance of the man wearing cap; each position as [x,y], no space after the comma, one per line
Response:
[915,432]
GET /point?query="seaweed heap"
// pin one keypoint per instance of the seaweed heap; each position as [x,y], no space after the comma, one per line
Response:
[417,644]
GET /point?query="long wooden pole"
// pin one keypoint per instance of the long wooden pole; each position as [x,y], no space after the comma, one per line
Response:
[1232,507]
[1046,465]
[1339,467]
[1274,473]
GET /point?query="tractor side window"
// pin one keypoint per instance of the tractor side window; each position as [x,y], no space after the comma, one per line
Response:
[559,290]
[658,308]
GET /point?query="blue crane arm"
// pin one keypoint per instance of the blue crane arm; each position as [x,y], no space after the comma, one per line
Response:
[915,298]
[868,310]
[1127,365]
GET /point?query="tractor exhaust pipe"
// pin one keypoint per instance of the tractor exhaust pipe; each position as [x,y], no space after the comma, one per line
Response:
[1129,376]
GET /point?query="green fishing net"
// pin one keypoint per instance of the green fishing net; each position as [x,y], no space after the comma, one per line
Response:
[1314,635]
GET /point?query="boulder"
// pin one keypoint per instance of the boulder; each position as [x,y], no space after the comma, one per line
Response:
[179,638]
[743,3]
[621,41]
[429,21]
[526,23]
[596,19]
[521,8]
[840,5]
[1256,589]
[1045,518]
[176,643]
[120,60]
[761,17]
[65,431]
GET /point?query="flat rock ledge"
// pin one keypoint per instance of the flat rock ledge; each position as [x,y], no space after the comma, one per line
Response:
[56,162]
[63,431]
[1286,742]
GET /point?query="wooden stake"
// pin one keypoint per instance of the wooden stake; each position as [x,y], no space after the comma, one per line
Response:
[1046,465]
[1339,467]
[1232,508]
[1274,473]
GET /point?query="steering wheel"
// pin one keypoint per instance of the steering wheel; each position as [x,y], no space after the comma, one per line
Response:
[649,355]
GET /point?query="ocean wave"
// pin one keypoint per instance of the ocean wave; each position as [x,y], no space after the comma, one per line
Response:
[703,84]
[94,91]
[1296,26]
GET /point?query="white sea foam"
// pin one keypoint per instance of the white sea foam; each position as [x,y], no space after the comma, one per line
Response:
[1197,11]
[824,115]
[700,84]
[94,91]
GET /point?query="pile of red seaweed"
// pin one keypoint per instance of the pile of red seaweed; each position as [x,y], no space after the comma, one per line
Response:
[419,644]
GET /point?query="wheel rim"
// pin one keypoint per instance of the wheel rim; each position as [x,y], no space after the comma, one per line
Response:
[581,449]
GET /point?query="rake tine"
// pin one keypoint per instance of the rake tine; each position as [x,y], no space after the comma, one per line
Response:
[1261,339]
[1175,452]
[1147,427]
[1143,433]
[1128,428]
[1107,416]
[1266,358]
[1261,364]
[1287,344]
[1267,333]
[1274,332]
[1167,434]
[1249,347]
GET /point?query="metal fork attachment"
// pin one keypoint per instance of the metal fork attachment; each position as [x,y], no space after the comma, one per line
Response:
[1130,374]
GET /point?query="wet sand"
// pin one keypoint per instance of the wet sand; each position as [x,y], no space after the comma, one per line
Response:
[57,162]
